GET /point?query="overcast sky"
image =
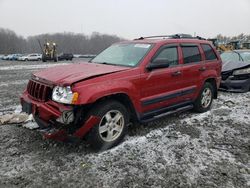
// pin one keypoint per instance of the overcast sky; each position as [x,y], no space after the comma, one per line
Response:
[127,18]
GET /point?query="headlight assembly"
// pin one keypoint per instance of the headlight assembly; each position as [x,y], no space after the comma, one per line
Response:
[242,71]
[64,95]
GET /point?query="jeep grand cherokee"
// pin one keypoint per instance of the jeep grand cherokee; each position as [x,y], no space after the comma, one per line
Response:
[131,81]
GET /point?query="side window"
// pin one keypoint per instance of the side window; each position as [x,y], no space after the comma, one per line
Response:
[191,54]
[209,53]
[169,54]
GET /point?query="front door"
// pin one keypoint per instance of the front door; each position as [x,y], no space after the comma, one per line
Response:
[161,86]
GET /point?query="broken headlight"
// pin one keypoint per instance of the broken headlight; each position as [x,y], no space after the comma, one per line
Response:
[64,95]
[242,71]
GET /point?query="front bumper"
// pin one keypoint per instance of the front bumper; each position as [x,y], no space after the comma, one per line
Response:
[47,114]
[47,111]
[233,84]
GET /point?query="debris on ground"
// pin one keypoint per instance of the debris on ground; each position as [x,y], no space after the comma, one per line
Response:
[14,118]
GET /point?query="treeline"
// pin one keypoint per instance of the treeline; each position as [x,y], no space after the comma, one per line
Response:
[67,42]
[226,39]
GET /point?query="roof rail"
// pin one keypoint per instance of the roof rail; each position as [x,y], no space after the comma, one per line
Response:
[175,36]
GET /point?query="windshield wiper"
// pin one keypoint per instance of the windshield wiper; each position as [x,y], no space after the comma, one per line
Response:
[105,63]
[238,55]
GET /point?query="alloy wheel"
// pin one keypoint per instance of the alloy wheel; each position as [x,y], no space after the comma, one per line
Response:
[111,125]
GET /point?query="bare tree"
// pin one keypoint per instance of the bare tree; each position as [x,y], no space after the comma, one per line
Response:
[76,43]
[66,42]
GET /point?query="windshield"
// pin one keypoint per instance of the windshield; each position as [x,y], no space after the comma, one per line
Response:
[230,56]
[245,56]
[235,56]
[125,54]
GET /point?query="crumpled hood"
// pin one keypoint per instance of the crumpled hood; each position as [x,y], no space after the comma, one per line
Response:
[69,74]
[232,65]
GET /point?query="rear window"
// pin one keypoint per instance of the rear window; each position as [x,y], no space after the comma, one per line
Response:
[209,52]
[191,54]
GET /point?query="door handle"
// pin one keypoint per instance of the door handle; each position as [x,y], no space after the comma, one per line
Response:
[176,73]
[202,69]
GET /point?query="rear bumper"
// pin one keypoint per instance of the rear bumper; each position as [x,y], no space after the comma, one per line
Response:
[233,85]
[46,115]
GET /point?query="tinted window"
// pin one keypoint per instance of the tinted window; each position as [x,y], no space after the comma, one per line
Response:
[191,54]
[209,53]
[169,54]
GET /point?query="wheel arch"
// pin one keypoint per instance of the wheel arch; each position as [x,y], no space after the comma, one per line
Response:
[212,81]
[124,99]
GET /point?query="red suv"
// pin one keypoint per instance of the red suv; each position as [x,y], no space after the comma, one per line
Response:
[131,81]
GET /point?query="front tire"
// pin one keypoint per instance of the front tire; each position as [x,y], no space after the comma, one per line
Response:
[204,101]
[112,127]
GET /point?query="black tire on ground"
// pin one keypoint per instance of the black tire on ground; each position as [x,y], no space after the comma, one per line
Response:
[98,136]
[55,59]
[39,59]
[204,101]
[26,60]
[44,60]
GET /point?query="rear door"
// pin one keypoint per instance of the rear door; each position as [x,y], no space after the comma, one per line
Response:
[192,68]
[211,61]
[160,87]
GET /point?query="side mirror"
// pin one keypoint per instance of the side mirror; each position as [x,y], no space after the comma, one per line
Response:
[158,63]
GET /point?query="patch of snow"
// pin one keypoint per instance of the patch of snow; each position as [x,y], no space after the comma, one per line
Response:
[22,67]
[18,109]
[30,125]
[19,82]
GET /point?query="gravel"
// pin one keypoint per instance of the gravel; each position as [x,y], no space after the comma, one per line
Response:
[183,150]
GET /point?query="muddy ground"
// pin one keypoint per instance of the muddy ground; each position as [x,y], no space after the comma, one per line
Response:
[185,150]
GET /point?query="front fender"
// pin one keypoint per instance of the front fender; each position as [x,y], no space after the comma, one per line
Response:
[90,93]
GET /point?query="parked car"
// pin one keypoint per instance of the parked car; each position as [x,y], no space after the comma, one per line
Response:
[235,71]
[5,57]
[133,81]
[21,57]
[65,56]
[31,57]
[14,57]
[9,57]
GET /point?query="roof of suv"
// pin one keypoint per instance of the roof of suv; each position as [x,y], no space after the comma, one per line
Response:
[179,38]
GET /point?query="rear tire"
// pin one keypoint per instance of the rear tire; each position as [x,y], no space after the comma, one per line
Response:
[204,101]
[112,127]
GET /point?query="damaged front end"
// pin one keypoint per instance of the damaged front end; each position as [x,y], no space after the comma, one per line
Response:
[55,120]
[235,76]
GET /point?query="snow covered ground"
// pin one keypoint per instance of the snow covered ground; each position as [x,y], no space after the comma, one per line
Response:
[184,150]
